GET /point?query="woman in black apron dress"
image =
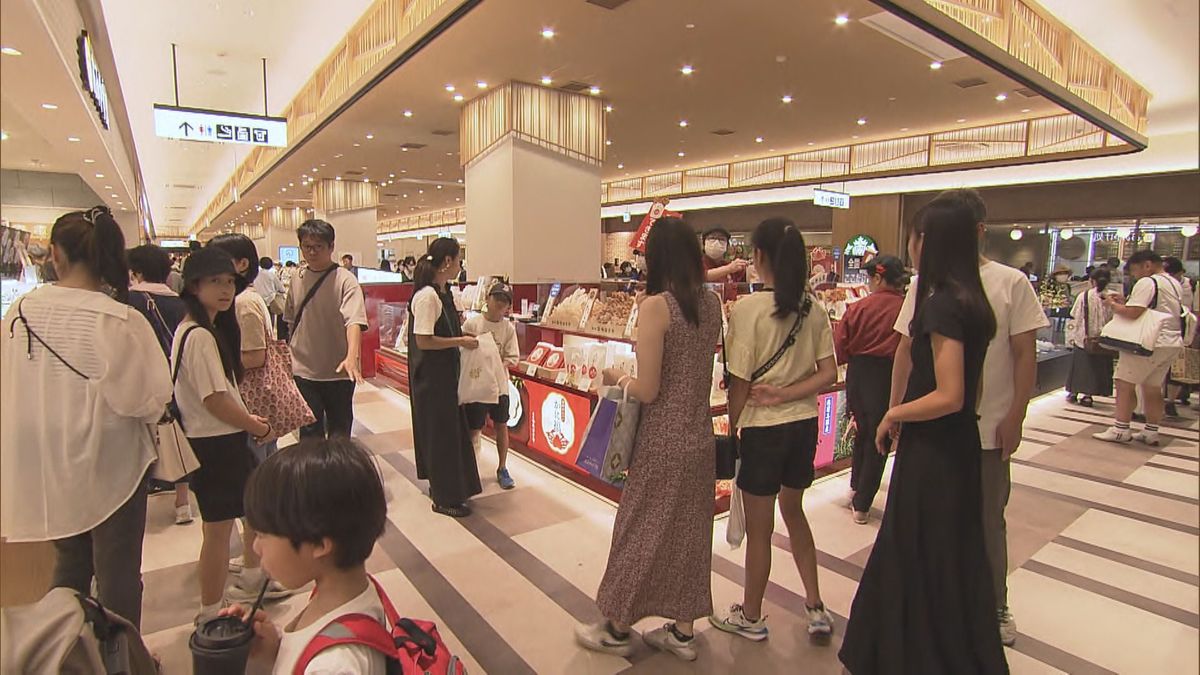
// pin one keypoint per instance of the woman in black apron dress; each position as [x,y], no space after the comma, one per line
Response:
[445,456]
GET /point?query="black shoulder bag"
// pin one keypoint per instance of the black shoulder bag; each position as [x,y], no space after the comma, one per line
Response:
[307,297]
[727,444]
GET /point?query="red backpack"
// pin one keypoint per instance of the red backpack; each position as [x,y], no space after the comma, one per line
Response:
[412,647]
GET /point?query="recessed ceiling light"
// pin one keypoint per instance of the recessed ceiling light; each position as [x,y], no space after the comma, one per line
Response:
[108,187]
[89,161]
[73,139]
[594,91]
[337,177]
[546,79]
[862,121]
[687,70]
[961,120]
[608,108]
[689,26]
[1024,110]
[10,51]
[420,192]
[842,20]
[683,123]
[408,113]
[370,136]
[786,98]
[458,98]
[935,65]
[681,154]
[439,187]
[366,180]
[406,196]
[854,136]
[291,185]
[758,139]
[620,166]
[99,175]
[547,33]
[358,145]
[903,128]
[481,84]
[49,106]
[1001,96]
[3,135]
[403,149]
[450,87]
[608,142]
[391,175]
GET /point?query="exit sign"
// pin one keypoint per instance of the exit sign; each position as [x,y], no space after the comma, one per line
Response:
[834,200]
[215,126]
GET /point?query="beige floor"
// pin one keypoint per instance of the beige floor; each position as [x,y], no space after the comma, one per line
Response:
[1103,552]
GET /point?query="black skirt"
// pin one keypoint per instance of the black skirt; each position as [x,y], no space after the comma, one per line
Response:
[925,603]
[1090,374]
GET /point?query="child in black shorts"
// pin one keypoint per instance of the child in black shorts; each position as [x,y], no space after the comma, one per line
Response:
[495,321]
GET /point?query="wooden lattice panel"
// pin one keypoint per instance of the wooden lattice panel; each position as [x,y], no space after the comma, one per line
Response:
[825,163]
[706,179]
[988,18]
[1063,133]
[1089,75]
[1038,41]
[663,184]
[1129,102]
[625,190]
[756,172]
[978,144]
[891,155]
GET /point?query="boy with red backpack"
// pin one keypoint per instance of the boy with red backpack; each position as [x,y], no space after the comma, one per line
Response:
[318,508]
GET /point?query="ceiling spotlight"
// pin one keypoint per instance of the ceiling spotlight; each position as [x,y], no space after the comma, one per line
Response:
[608,108]
[358,145]
[337,177]
[49,106]
[391,175]
[683,123]
[547,80]
[680,154]
[3,135]
[9,51]
[408,113]
[620,166]
[689,26]
[1001,97]
[89,161]
[450,87]
[458,98]
[842,20]
[935,65]
[99,175]
[1188,230]
[481,84]
[370,136]
[687,70]
[961,120]
[608,142]
[787,98]
[366,180]
[114,195]
[547,33]
[1016,234]
[758,139]
[594,91]
[861,121]
[1066,234]
[73,139]
[1024,110]
[439,187]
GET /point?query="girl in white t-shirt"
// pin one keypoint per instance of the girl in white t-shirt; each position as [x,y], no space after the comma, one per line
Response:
[208,366]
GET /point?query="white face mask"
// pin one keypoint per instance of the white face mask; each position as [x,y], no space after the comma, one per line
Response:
[715,248]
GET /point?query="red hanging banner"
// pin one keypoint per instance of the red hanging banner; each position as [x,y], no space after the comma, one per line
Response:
[657,210]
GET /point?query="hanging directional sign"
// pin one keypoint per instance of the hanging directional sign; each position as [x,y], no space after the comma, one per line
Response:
[834,200]
[215,126]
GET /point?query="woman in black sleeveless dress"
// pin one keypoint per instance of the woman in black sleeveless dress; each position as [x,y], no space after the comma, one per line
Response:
[445,456]
[925,603]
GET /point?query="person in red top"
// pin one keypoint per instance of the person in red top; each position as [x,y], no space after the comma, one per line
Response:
[866,340]
[716,269]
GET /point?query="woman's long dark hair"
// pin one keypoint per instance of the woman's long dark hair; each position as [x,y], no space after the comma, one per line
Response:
[950,259]
[239,247]
[224,328]
[93,238]
[674,266]
[783,247]
[441,250]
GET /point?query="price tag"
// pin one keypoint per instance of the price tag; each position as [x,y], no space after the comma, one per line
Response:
[587,313]
[531,370]
[562,378]
[629,325]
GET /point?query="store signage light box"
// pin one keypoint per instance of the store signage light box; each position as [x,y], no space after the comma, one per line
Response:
[214,126]
[834,200]
[93,81]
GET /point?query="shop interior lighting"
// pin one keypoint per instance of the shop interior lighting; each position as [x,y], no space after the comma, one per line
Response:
[683,123]
[370,136]
[358,145]
[594,91]
[689,26]
[481,84]
[961,120]
[687,70]
[10,51]
[1024,110]
[1066,234]
[787,98]
[547,33]
[337,177]
[842,20]
[73,139]
[758,139]
[99,175]
[1016,234]
[1001,96]
[408,113]
[608,142]
[1188,230]
[450,88]
[861,121]
[89,161]
[1124,232]
[681,154]
[935,65]
[458,98]
[547,80]
[49,106]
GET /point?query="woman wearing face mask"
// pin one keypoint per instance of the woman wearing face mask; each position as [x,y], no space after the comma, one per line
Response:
[716,246]
[1090,374]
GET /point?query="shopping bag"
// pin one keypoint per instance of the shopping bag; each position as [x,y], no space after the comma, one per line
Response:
[619,454]
[1186,369]
[175,456]
[270,392]
[1135,336]
[735,530]
[479,379]
[596,437]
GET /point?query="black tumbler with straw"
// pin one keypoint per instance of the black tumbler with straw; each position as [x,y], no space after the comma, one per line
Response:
[221,646]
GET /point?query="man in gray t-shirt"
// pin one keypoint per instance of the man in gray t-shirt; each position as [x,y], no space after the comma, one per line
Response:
[326,333]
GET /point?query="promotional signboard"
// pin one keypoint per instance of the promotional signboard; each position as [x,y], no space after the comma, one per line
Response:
[859,249]
[557,421]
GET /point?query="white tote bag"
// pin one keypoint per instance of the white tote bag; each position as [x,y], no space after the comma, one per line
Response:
[1135,336]
[735,529]
[175,456]
[479,376]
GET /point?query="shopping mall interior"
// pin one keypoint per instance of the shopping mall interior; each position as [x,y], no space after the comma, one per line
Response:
[545,137]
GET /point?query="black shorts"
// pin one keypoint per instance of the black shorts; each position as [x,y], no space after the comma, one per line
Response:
[225,466]
[479,413]
[777,456]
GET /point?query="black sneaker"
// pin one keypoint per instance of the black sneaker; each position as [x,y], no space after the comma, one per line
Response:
[456,511]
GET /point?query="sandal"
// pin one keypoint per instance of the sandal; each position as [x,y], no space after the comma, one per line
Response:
[1087,402]
[457,511]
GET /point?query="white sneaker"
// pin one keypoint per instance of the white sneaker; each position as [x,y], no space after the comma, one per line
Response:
[236,565]
[245,591]
[596,637]
[1146,437]
[738,624]
[861,517]
[1008,627]
[663,639]
[820,621]
[183,514]
[1114,435]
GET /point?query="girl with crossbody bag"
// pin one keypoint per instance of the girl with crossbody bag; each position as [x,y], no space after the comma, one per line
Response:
[778,424]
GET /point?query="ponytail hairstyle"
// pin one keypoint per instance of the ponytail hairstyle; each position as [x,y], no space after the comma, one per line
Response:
[890,269]
[950,258]
[92,238]
[673,265]
[441,250]
[213,261]
[782,245]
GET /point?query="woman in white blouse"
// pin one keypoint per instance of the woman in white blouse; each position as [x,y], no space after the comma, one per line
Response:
[1091,372]
[82,378]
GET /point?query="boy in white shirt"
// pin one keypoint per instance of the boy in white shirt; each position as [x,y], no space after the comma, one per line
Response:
[318,509]
[496,322]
